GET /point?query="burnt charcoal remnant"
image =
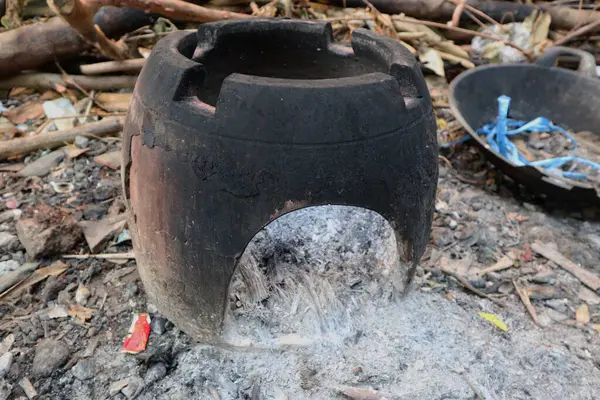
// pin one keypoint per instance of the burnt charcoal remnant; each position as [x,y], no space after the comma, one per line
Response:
[248,120]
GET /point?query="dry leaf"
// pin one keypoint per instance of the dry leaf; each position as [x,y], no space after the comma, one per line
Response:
[72,151]
[80,313]
[539,27]
[56,268]
[432,60]
[114,101]
[7,129]
[27,111]
[111,160]
[98,232]
[494,320]
[456,60]
[57,312]
[583,314]
[449,47]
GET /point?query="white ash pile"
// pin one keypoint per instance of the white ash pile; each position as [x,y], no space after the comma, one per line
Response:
[306,275]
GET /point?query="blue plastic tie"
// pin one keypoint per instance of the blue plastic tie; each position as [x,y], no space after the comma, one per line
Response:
[497,134]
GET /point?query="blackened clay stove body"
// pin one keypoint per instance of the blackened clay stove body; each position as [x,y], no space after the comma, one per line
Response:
[249,120]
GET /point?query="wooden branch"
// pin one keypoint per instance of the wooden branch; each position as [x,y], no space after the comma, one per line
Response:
[48,81]
[562,17]
[173,9]
[460,6]
[56,139]
[579,32]
[587,277]
[472,288]
[34,45]
[109,67]
[80,16]
[439,25]
[524,296]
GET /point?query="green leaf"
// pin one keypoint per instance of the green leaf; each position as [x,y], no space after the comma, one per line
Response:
[494,320]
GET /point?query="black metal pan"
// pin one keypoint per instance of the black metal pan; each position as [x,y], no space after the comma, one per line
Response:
[570,99]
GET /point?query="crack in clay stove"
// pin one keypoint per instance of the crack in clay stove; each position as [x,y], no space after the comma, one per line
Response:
[311,311]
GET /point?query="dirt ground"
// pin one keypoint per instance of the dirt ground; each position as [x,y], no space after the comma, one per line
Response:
[63,327]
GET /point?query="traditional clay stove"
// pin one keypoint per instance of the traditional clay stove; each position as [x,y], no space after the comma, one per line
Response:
[245,121]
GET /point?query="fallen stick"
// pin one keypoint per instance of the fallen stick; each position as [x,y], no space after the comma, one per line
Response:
[109,67]
[524,296]
[467,285]
[586,277]
[46,81]
[34,45]
[55,139]
[438,25]
[504,263]
[10,279]
[578,32]
[563,17]
[80,15]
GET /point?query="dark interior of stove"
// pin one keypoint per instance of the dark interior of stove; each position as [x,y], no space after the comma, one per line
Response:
[274,55]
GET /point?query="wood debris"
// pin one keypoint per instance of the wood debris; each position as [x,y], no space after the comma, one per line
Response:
[588,278]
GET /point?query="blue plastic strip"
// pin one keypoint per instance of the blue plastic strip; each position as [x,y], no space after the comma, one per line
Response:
[497,134]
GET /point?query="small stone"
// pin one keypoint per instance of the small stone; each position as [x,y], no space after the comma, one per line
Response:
[81,142]
[43,165]
[478,283]
[130,290]
[557,316]
[117,386]
[559,305]
[63,298]
[5,363]
[50,355]
[452,224]
[46,239]
[5,389]
[547,277]
[83,370]
[8,266]
[155,373]
[493,276]
[134,386]
[94,212]
[9,215]
[105,189]
[152,309]
[477,205]
[442,237]
[539,292]
[19,257]
[506,288]
[82,295]
[8,242]
[158,325]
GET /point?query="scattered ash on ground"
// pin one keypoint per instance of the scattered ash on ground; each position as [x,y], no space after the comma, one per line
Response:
[63,333]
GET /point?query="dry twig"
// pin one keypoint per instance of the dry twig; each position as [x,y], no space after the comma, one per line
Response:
[587,277]
[432,24]
[524,296]
[56,139]
[44,81]
[470,287]
[578,32]
[108,67]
